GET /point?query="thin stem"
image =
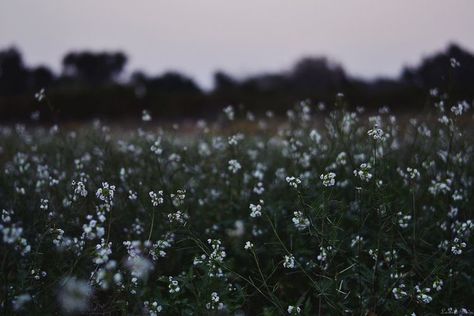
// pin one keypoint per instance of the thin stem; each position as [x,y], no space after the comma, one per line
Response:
[151,225]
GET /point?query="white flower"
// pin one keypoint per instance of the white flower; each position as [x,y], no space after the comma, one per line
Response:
[102,252]
[132,195]
[152,308]
[178,198]
[422,295]
[106,193]
[156,147]
[214,303]
[229,112]
[444,120]
[376,133]
[294,310]
[235,139]
[399,292]
[289,262]
[293,182]
[438,285]
[178,217]
[413,173]
[356,240]
[173,285]
[44,204]
[74,295]
[457,246]
[139,266]
[19,301]
[403,220]
[40,95]
[300,221]
[234,166]
[329,179]
[460,108]
[79,189]
[315,136]
[259,189]
[248,245]
[146,117]
[363,173]
[255,210]
[454,63]
[156,198]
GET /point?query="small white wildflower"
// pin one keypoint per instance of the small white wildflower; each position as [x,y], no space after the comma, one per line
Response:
[178,217]
[156,198]
[293,182]
[74,296]
[460,108]
[19,301]
[294,310]
[40,95]
[399,292]
[457,246]
[173,285]
[146,117]
[329,179]
[229,112]
[139,266]
[153,308]
[356,240]
[454,63]
[214,303]
[363,173]
[238,230]
[403,220]
[300,221]
[315,136]
[235,139]
[178,198]
[422,295]
[234,166]
[248,245]
[255,210]
[106,193]
[44,204]
[438,285]
[132,195]
[156,147]
[444,120]
[289,262]
[259,189]
[376,133]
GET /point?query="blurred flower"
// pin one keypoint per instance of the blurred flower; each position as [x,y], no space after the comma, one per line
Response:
[74,295]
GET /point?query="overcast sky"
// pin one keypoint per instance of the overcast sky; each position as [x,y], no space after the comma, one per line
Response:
[368,37]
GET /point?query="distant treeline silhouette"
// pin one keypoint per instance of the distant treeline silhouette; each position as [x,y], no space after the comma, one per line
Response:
[90,86]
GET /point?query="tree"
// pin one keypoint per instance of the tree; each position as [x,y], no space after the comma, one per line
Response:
[94,68]
[40,77]
[170,82]
[224,82]
[317,76]
[13,74]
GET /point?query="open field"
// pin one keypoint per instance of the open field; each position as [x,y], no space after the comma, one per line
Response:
[341,213]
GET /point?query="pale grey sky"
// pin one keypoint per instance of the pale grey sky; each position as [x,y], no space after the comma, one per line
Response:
[368,37]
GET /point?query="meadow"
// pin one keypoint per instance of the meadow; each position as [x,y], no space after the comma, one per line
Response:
[331,211]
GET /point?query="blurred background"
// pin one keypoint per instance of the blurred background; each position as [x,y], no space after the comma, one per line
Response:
[188,59]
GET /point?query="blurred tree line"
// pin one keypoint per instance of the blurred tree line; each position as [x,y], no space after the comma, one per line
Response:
[91,85]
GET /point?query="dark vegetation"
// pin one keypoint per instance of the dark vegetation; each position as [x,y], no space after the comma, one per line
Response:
[89,86]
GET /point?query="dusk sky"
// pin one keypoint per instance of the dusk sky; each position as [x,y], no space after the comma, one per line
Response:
[198,37]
